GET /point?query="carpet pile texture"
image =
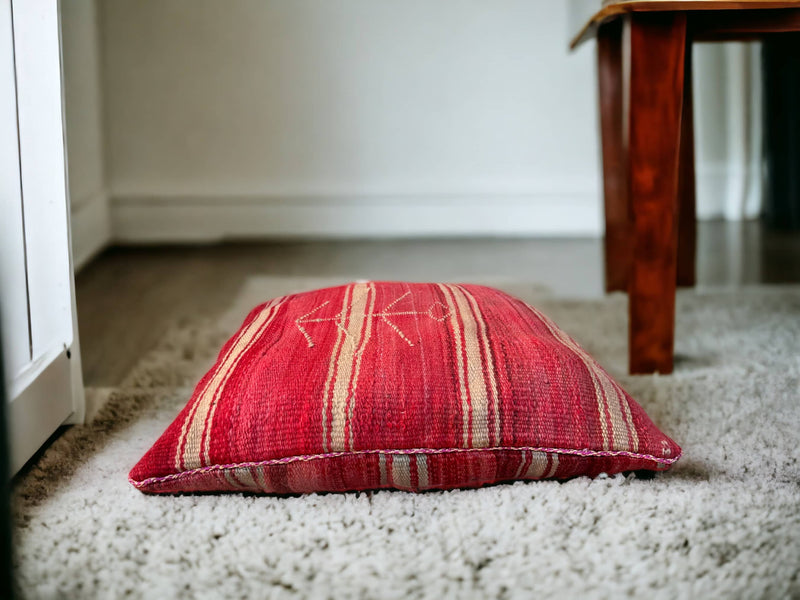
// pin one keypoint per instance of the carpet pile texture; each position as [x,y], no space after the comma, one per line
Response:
[723,522]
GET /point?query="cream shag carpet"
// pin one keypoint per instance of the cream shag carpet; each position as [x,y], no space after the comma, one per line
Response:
[724,522]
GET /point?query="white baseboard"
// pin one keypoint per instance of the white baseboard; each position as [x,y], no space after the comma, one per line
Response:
[728,191]
[712,189]
[91,228]
[176,219]
[181,219]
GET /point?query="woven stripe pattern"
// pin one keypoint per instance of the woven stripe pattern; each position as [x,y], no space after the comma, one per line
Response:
[412,386]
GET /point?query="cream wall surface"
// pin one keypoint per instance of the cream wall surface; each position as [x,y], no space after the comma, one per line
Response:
[257,118]
[348,117]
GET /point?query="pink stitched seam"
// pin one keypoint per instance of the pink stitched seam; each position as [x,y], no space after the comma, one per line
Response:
[307,457]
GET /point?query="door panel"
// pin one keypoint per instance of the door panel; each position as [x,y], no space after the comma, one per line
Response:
[36,413]
[36,280]
[14,299]
[42,167]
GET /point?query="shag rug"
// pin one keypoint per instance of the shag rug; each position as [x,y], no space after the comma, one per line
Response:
[724,522]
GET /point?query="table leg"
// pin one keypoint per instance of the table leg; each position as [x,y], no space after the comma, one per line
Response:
[615,187]
[654,82]
[687,211]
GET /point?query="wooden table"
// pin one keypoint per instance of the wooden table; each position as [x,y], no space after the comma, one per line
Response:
[644,55]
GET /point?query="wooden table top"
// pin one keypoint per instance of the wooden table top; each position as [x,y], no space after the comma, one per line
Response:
[614,8]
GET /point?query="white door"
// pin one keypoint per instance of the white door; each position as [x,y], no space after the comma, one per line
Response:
[42,362]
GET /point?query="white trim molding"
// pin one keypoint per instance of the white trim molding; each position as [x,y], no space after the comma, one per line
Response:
[182,219]
[728,131]
[91,227]
[721,188]
[743,93]
[754,193]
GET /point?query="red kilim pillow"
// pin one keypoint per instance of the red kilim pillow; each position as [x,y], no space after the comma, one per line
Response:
[399,385]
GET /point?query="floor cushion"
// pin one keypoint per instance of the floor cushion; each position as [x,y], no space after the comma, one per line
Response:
[413,386]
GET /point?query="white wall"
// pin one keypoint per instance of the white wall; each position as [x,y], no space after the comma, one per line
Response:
[361,117]
[83,104]
[348,117]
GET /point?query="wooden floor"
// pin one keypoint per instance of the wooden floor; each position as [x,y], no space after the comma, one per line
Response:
[128,295]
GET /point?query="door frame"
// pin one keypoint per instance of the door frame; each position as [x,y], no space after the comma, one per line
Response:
[48,391]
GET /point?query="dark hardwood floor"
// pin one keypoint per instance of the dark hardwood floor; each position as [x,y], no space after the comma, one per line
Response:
[127,296]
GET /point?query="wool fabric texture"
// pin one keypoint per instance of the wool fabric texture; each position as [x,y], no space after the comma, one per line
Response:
[399,385]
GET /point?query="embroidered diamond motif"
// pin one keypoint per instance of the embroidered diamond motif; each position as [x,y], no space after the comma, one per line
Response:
[436,312]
